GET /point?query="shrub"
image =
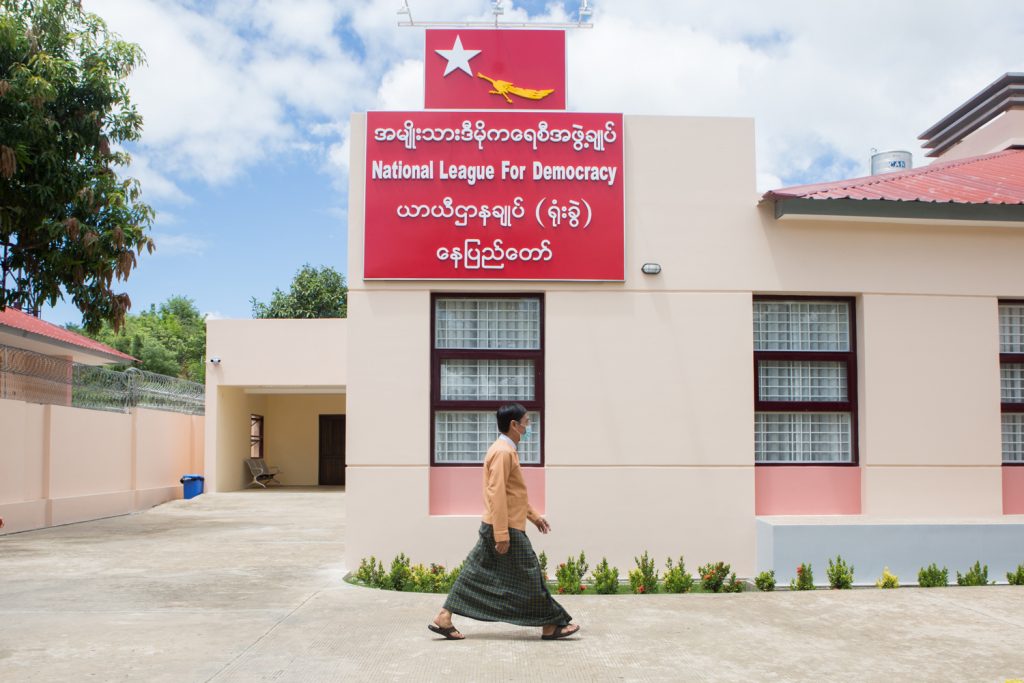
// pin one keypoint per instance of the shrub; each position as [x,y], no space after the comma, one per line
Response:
[733,585]
[975,576]
[765,581]
[932,577]
[606,579]
[371,572]
[1016,578]
[643,579]
[804,580]
[543,560]
[713,576]
[400,573]
[677,579]
[449,580]
[570,575]
[840,574]
[888,580]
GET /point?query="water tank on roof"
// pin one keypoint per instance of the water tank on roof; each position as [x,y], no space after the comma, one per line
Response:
[891,162]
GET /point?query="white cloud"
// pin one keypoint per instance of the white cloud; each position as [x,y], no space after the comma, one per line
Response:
[236,83]
[170,244]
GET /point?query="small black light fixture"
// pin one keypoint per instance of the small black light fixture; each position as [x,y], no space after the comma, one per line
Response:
[651,268]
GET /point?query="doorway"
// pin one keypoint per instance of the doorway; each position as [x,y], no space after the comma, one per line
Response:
[332,450]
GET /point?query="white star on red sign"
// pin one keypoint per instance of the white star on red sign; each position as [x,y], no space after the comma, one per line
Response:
[458,57]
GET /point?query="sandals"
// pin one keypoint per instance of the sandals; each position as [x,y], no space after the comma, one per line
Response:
[446,631]
[562,632]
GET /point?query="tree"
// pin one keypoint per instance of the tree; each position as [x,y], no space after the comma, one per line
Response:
[315,293]
[169,339]
[67,222]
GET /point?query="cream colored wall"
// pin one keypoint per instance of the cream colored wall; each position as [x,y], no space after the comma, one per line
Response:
[293,434]
[995,136]
[234,407]
[277,352]
[262,354]
[63,465]
[930,405]
[649,391]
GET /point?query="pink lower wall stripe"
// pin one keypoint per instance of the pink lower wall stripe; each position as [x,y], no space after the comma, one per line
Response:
[1013,489]
[459,490]
[806,490]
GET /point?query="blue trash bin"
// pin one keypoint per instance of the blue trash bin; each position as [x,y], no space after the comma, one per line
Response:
[193,484]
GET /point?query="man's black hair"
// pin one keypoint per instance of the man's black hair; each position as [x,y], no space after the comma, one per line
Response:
[507,413]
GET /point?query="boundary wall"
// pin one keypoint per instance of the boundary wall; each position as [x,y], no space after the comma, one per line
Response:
[62,465]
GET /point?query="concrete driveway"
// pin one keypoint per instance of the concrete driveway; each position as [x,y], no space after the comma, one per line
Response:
[247,586]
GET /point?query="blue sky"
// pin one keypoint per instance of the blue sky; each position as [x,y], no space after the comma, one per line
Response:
[246,103]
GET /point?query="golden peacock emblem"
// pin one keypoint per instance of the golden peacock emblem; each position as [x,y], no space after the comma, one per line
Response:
[505,88]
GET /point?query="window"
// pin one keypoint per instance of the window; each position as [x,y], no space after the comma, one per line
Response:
[486,351]
[255,436]
[1011,378]
[805,379]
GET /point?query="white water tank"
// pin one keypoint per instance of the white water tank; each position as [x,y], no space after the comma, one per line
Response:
[891,162]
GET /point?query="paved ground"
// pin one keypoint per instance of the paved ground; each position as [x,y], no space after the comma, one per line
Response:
[248,586]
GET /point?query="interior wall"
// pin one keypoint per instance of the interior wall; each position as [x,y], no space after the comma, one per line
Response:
[232,448]
[292,428]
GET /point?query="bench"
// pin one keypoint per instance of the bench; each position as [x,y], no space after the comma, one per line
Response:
[262,474]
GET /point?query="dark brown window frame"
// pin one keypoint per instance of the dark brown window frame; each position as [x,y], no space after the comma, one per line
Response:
[437,356]
[254,440]
[1006,358]
[847,406]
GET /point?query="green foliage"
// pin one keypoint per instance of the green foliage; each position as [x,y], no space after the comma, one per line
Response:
[314,293]
[371,573]
[1016,578]
[169,339]
[932,577]
[733,585]
[606,579]
[432,579]
[400,574]
[677,579]
[804,580]
[975,576]
[543,560]
[405,576]
[68,223]
[643,579]
[765,581]
[570,573]
[888,580]
[713,576]
[840,574]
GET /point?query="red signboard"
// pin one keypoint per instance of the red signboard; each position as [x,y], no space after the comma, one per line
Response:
[494,196]
[494,69]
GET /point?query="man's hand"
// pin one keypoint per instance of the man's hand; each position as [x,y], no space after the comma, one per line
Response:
[542,525]
[501,547]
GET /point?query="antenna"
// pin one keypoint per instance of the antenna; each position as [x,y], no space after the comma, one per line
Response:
[498,10]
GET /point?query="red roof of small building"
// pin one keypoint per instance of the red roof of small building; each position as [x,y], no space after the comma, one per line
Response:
[18,320]
[989,179]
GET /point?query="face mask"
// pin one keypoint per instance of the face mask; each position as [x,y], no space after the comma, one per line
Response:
[524,431]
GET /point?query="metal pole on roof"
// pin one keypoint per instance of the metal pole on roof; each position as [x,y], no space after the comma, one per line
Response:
[497,8]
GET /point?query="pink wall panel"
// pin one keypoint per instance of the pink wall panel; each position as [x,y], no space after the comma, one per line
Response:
[1013,490]
[459,490]
[806,490]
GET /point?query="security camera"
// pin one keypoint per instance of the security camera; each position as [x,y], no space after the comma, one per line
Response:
[215,360]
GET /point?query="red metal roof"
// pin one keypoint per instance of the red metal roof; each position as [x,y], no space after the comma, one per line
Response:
[989,179]
[15,319]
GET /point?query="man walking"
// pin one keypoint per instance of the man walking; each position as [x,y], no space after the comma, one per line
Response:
[501,579]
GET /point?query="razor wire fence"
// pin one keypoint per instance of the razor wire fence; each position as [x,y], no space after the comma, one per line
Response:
[37,378]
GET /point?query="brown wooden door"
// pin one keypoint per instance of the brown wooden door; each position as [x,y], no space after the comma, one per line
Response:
[332,450]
